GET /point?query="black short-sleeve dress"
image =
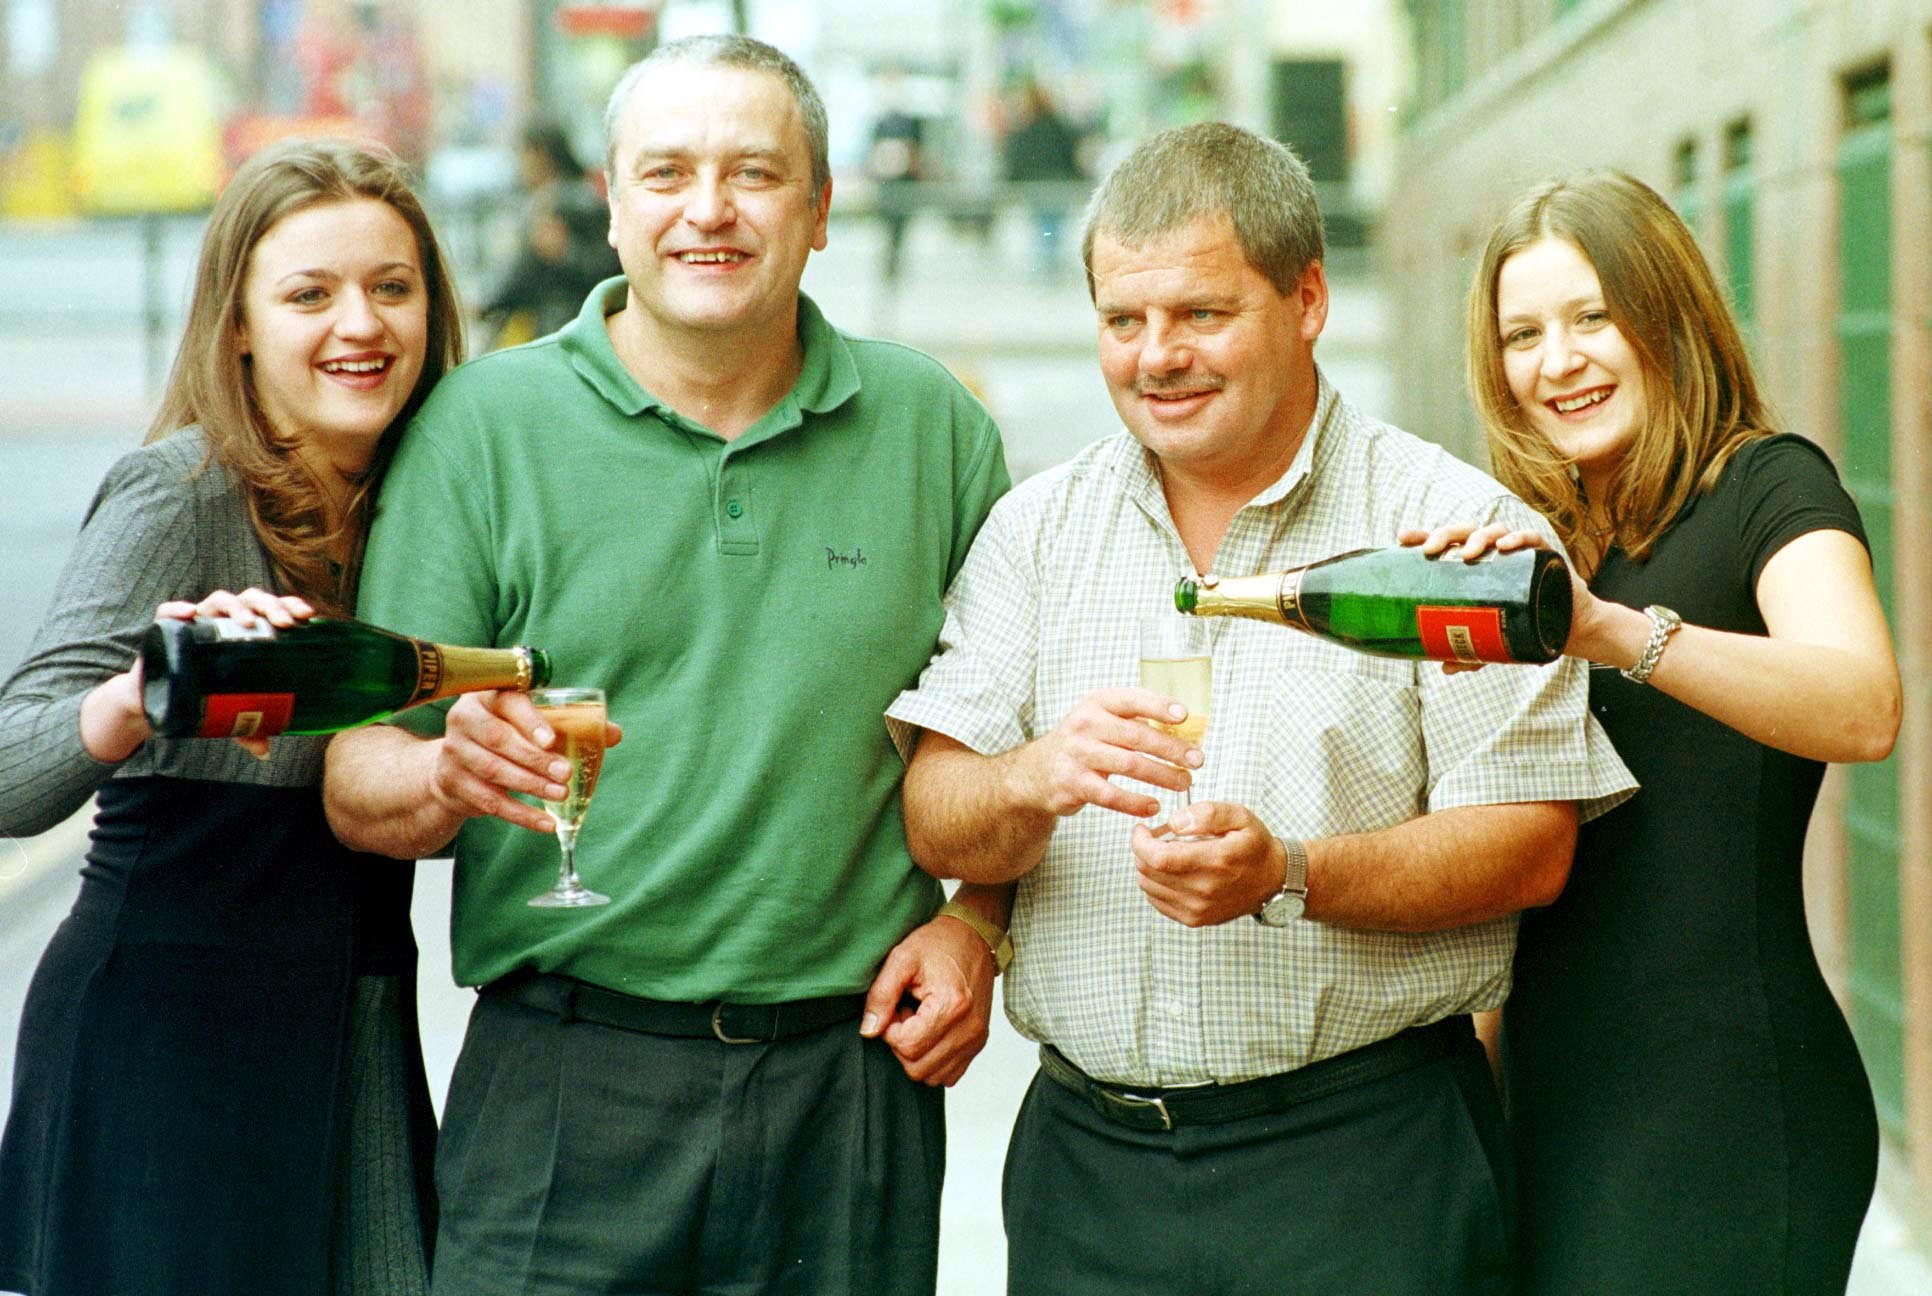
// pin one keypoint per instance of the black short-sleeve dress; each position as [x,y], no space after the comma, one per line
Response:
[1688,1107]
[218,1089]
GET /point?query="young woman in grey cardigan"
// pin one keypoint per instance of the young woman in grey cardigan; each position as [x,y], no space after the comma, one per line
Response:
[218,1087]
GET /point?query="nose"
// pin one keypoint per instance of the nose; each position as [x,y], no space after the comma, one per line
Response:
[707,206]
[357,317]
[1559,356]
[1163,348]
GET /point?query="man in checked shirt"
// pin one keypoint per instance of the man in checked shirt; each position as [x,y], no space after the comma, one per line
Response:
[1258,1072]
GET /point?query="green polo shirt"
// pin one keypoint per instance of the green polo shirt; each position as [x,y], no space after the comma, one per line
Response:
[749,607]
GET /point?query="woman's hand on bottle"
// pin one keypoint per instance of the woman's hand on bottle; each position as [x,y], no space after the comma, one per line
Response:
[113,722]
[1470,543]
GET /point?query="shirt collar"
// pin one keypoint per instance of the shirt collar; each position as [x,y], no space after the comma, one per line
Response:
[828,375]
[1140,470]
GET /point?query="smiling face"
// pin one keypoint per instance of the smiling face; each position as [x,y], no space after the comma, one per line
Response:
[335,323]
[1211,367]
[1576,378]
[713,213]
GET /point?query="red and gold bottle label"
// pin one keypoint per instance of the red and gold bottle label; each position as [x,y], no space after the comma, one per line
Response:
[246,715]
[1462,634]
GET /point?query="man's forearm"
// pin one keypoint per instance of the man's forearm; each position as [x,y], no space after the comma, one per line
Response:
[1443,870]
[965,817]
[378,794]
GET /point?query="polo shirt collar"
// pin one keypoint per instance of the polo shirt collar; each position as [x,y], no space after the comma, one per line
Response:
[827,378]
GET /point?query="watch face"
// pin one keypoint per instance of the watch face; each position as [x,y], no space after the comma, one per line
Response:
[1283,909]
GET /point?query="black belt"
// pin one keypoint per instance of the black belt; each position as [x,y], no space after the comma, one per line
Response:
[1212,1104]
[733,1023]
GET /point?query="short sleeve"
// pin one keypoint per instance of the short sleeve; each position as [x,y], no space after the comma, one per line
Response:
[1789,488]
[430,567]
[978,688]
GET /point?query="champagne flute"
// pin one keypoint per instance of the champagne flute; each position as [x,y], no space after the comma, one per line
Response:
[1175,659]
[577,716]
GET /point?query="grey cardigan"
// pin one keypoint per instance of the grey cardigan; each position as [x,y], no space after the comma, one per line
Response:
[167,523]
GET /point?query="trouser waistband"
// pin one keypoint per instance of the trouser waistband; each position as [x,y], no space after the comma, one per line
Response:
[733,1023]
[1155,1108]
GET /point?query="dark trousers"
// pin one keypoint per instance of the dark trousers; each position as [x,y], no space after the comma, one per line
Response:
[577,1158]
[1393,1187]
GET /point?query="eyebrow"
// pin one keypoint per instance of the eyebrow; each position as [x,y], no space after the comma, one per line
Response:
[387,267]
[645,152]
[1569,304]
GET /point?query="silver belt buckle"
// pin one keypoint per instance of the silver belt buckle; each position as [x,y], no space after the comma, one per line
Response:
[717,1028]
[1157,1102]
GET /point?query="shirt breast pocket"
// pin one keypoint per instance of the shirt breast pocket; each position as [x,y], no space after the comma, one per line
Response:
[1338,736]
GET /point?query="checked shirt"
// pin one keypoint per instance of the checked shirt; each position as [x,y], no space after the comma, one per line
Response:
[1315,739]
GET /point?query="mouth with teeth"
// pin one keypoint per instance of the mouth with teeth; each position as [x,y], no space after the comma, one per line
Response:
[1582,400]
[363,372]
[711,256]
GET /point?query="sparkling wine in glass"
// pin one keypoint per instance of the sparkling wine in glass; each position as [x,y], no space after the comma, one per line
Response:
[577,716]
[1175,659]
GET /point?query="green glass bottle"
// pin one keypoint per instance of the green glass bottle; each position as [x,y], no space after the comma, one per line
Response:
[214,678]
[1505,607]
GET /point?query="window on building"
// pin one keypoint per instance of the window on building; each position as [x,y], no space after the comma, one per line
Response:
[1865,413]
[1740,198]
[1684,192]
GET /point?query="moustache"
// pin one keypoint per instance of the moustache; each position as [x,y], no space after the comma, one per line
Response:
[1163,386]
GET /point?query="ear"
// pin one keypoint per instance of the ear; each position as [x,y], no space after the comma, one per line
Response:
[824,214]
[241,336]
[1311,299]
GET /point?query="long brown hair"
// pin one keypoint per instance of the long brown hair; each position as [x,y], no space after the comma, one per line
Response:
[1702,399]
[210,386]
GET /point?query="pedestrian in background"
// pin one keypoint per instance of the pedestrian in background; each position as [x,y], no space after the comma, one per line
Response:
[1258,1070]
[689,1089]
[218,1089]
[1042,156]
[1688,1106]
[895,163]
[563,246]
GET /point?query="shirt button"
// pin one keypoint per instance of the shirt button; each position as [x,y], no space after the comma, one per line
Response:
[734,509]
[1177,1010]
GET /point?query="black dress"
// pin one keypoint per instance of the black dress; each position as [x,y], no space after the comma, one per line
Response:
[1689,1110]
[218,1089]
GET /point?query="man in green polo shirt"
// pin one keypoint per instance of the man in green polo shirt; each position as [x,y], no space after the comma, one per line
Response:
[739,523]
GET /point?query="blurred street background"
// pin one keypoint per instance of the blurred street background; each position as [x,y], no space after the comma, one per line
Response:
[965,136]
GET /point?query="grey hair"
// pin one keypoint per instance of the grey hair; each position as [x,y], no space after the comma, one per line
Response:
[735,52]
[1213,169]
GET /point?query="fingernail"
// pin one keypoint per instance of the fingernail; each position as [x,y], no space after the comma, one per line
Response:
[1183,822]
[1177,712]
[1195,758]
[560,770]
[545,736]
[869,1025]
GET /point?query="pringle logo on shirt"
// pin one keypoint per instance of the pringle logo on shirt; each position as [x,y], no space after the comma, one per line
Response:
[835,559]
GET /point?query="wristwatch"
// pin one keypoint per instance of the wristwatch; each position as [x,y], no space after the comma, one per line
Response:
[1286,905]
[1663,624]
[997,940]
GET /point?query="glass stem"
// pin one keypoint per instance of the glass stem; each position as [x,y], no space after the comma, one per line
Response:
[567,871]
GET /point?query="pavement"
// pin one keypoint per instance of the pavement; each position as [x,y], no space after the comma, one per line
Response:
[76,393]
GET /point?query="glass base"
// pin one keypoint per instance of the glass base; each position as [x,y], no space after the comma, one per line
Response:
[574,897]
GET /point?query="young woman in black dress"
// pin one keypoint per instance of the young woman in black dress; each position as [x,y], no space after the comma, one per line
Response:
[1689,1109]
[218,1089]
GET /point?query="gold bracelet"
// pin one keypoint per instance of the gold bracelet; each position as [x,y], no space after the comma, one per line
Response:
[997,940]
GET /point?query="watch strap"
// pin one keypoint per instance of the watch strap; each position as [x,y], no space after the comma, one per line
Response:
[1663,624]
[996,938]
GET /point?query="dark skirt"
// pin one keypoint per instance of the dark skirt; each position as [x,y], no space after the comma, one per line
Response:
[181,1067]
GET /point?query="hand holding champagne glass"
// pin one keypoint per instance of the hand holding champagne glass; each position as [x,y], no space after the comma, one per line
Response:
[577,716]
[1175,659]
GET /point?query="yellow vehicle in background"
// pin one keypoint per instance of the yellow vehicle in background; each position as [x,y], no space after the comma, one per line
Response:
[148,131]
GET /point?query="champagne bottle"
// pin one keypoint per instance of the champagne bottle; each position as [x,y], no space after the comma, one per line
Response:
[1505,607]
[214,678]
